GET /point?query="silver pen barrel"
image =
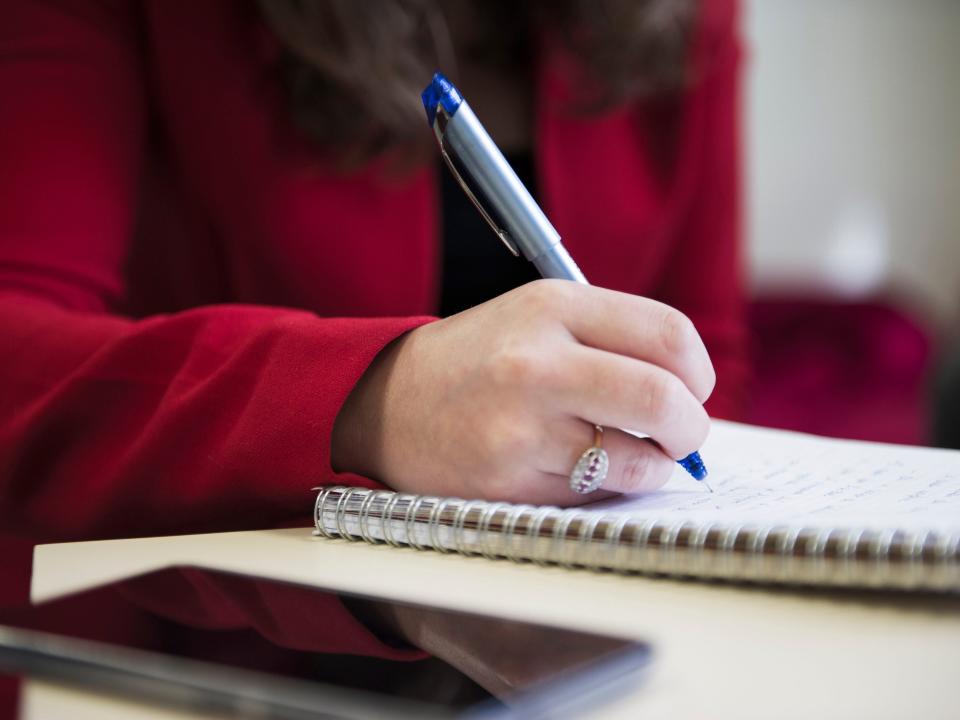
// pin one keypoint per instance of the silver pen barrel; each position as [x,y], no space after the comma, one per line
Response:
[522,219]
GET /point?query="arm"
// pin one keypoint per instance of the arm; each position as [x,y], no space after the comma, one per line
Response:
[223,417]
[704,277]
[210,419]
[218,418]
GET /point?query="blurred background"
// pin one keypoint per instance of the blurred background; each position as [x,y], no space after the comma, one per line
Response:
[852,113]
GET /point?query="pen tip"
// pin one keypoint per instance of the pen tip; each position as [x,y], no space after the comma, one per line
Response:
[707,485]
[693,464]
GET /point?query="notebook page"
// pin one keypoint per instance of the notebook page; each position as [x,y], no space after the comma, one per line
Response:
[768,477]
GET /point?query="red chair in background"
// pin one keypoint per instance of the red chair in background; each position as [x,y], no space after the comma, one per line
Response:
[853,370]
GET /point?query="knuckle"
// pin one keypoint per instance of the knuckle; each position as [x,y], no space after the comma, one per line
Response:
[710,384]
[516,367]
[635,471]
[508,437]
[705,390]
[662,398]
[546,296]
[701,426]
[677,333]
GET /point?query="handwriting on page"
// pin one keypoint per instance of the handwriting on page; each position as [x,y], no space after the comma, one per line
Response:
[811,480]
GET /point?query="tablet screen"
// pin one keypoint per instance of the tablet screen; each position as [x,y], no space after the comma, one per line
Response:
[212,644]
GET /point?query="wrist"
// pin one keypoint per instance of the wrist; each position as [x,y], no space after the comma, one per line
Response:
[356,444]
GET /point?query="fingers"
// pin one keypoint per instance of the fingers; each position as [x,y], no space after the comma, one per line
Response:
[617,391]
[554,489]
[497,402]
[643,329]
[636,465]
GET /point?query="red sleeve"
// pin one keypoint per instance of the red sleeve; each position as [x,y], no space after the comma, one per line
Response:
[704,276]
[214,418]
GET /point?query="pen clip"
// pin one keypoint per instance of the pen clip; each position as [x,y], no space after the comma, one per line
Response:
[438,129]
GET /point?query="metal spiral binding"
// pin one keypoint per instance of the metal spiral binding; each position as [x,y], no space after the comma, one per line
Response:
[787,542]
[641,539]
[698,542]
[577,538]
[318,526]
[725,548]
[434,525]
[668,541]
[757,544]
[386,521]
[340,516]
[558,535]
[614,539]
[816,547]
[510,533]
[846,551]
[409,523]
[585,540]
[533,532]
[459,526]
[364,515]
[483,529]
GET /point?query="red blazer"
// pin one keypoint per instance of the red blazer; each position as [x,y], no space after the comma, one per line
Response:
[188,294]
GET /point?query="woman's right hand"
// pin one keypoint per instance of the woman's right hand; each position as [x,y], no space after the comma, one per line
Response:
[499,401]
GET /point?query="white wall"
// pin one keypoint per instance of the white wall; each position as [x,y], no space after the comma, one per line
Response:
[853,147]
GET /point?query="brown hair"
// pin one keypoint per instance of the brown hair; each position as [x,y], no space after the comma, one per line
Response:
[354,69]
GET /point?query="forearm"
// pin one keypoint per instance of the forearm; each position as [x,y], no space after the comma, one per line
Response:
[215,418]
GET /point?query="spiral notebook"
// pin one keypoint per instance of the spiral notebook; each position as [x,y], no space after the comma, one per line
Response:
[788,508]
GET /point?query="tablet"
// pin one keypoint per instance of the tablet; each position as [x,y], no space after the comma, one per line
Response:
[195,643]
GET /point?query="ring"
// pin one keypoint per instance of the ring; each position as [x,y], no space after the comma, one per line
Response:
[591,469]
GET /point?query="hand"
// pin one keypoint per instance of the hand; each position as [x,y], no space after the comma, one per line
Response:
[499,401]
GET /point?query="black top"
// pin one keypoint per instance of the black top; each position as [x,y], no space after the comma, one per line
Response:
[476,265]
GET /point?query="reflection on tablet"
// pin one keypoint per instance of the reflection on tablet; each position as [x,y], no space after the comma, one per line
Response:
[245,647]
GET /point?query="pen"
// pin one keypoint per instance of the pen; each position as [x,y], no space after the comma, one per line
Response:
[517,220]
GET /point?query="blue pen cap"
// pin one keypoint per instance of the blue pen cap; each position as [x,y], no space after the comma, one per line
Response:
[440,92]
